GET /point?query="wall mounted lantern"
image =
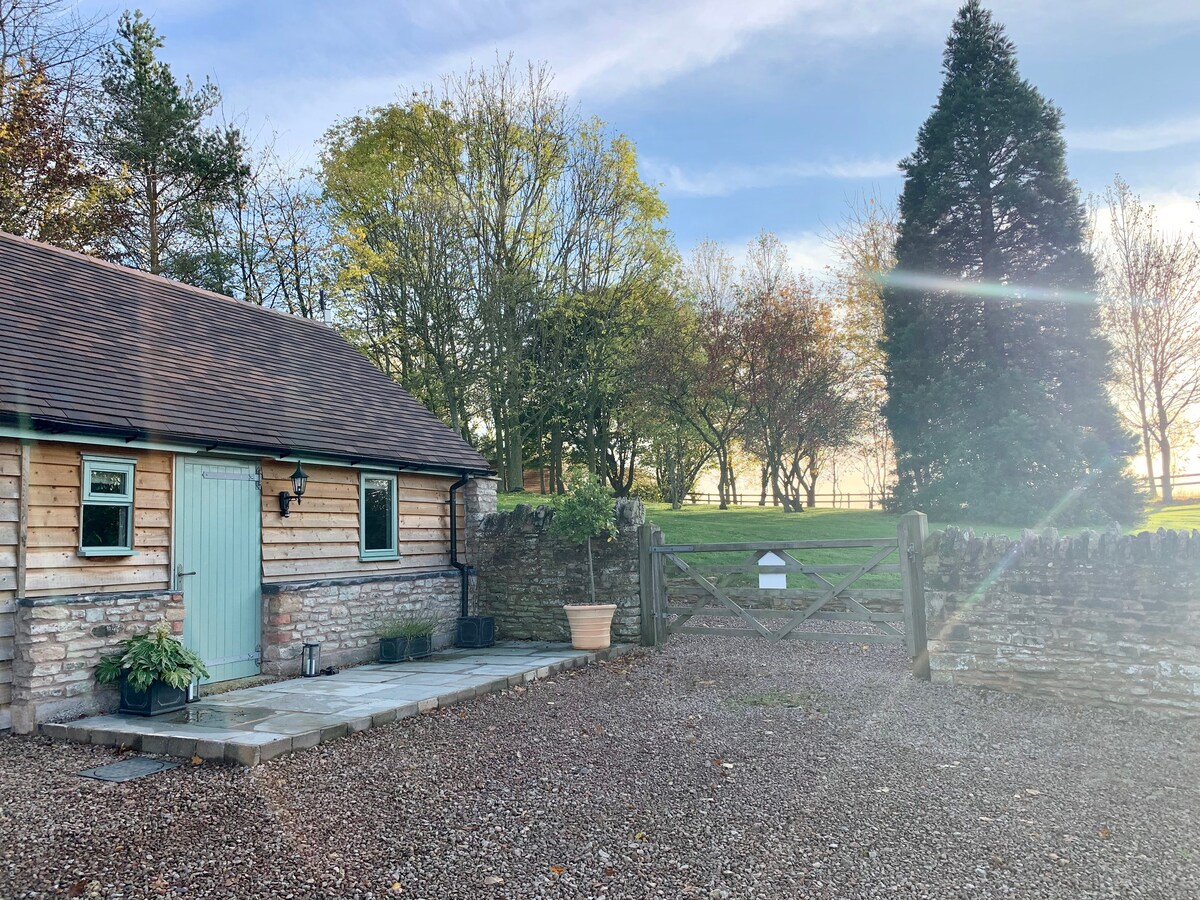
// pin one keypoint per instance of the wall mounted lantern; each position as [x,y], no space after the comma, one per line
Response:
[299,483]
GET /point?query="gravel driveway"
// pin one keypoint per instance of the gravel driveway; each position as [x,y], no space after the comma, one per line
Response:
[719,767]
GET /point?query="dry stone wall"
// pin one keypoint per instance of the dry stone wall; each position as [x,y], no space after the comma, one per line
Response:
[525,574]
[1103,619]
[60,640]
[344,615]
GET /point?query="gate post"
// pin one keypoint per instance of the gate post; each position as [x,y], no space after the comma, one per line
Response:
[646,584]
[910,539]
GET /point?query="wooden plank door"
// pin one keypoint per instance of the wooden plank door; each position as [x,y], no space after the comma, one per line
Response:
[218,557]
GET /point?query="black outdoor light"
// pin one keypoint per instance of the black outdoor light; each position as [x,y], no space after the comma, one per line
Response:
[299,483]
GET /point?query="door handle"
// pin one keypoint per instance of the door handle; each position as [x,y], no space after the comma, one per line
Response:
[179,573]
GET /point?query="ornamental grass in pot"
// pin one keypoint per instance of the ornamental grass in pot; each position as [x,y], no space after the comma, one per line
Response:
[584,513]
[408,638]
[153,671]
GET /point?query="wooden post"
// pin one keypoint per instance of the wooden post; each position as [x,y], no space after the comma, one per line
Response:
[911,534]
[646,585]
[658,581]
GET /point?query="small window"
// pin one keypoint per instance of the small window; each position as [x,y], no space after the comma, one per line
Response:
[106,517]
[378,517]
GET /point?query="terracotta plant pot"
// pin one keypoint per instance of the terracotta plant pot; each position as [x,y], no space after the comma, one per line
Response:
[591,624]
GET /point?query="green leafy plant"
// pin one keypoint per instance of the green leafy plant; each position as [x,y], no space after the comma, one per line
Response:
[411,627]
[147,658]
[586,511]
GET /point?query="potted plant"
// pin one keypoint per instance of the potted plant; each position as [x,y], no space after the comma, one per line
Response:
[410,638]
[586,512]
[153,671]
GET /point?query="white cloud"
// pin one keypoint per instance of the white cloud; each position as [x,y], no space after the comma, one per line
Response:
[1137,138]
[808,252]
[598,51]
[722,180]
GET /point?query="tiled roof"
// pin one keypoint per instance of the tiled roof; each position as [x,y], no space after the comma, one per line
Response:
[87,346]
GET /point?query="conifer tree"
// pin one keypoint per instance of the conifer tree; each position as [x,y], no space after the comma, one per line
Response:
[996,366]
[177,169]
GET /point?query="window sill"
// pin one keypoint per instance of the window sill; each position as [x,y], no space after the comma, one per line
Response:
[106,551]
[378,557]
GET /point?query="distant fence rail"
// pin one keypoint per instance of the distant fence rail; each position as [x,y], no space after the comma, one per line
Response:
[1177,481]
[828,500]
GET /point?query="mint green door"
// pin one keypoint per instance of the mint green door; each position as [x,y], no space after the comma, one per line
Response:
[218,553]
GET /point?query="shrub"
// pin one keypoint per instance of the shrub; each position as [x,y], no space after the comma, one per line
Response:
[586,511]
[147,658]
[411,627]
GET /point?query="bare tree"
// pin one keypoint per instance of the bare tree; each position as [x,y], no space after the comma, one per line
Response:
[865,246]
[1151,312]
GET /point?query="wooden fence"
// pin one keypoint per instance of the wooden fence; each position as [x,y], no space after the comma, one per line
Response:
[827,500]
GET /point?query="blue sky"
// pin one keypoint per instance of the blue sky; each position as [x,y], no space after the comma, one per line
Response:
[752,114]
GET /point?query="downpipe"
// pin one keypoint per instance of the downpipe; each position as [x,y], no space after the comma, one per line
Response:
[463,568]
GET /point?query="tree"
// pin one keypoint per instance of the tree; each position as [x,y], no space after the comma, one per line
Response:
[51,188]
[798,390]
[503,261]
[176,168]
[586,511]
[865,248]
[996,366]
[701,369]
[1152,315]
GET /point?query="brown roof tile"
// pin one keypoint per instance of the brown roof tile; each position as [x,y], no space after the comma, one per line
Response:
[86,345]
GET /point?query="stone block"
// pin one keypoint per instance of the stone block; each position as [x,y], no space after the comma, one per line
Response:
[182,747]
[157,744]
[307,740]
[246,754]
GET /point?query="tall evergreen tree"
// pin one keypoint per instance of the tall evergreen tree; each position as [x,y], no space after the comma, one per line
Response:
[177,168]
[996,367]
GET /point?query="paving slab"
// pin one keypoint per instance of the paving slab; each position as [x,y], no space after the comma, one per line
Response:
[252,725]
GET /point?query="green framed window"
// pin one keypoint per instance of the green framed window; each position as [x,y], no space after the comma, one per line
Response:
[106,513]
[377,516]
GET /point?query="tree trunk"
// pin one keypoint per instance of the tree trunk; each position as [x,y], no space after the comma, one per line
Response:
[591,572]
[1164,449]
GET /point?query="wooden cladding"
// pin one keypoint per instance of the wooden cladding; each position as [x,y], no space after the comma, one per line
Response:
[53,563]
[320,539]
[10,514]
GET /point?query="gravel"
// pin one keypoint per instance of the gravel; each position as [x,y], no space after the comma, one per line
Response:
[717,768]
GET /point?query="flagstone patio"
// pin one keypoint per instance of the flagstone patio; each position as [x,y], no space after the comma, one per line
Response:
[256,724]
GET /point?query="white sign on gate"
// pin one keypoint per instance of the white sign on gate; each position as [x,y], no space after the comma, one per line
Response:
[772,581]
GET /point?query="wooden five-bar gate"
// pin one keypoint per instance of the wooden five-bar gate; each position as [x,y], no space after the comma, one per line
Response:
[856,590]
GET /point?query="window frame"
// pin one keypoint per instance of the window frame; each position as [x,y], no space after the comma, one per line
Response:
[87,465]
[391,552]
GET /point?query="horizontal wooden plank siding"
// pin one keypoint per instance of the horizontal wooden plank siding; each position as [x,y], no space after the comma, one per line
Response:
[54,565]
[10,516]
[10,511]
[320,539]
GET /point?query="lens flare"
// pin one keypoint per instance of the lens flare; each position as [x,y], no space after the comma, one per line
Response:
[984,290]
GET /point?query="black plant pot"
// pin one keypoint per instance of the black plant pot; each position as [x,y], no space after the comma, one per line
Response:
[393,650]
[420,647]
[161,698]
[476,631]
[398,649]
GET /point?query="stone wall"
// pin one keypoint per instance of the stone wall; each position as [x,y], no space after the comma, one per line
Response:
[344,615]
[59,642]
[525,575]
[1104,619]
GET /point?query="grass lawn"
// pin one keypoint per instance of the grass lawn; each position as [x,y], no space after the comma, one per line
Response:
[708,524]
